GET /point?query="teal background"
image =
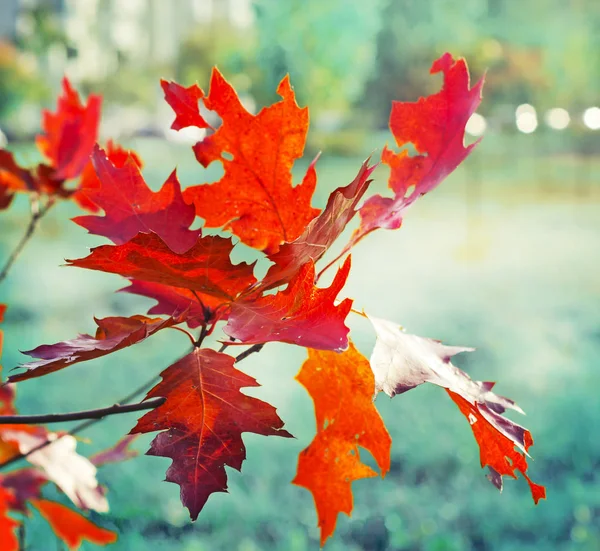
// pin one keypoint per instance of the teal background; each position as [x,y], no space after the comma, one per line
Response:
[503,257]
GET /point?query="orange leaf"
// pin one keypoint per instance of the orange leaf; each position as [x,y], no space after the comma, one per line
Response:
[8,539]
[70,526]
[202,422]
[341,386]
[255,198]
[497,438]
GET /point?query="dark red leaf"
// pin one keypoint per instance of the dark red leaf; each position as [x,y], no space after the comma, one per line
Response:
[24,484]
[203,419]
[206,267]
[113,334]
[117,453]
[132,207]
[301,314]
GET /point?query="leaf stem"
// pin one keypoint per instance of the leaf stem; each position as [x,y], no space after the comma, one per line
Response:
[46,418]
[185,332]
[36,215]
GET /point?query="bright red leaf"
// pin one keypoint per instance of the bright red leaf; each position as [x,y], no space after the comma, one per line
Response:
[206,267]
[132,207]
[203,419]
[70,133]
[184,101]
[302,314]
[341,386]
[497,437]
[435,126]
[8,538]
[118,156]
[113,334]
[14,178]
[70,526]
[321,232]
[255,199]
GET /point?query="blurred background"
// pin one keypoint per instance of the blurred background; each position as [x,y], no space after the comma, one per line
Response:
[503,256]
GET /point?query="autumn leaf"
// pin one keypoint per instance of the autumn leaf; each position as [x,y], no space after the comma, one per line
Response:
[8,539]
[70,526]
[401,362]
[497,437]
[301,314]
[70,133]
[118,156]
[255,198]
[131,207]
[117,453]
[206,267]
[113,333]
[74,474]
[341,386]
[24,484]
[16,179]
[321,231]
[435,126]
[202,420]
[184,101]
[197,308]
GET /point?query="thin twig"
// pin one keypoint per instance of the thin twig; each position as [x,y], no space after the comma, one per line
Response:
[21,536]
[254,348]
[86,424]
[47,418]
[36,215]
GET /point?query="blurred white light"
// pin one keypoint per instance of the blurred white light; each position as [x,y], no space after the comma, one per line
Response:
[524,109]
[3,139]
[476,125]
[527,123]
[558,118]
[186,136]
[591,118]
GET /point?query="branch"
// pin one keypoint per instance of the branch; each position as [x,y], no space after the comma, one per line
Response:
[82,426]
[46,418]
[36,216]
[254,348]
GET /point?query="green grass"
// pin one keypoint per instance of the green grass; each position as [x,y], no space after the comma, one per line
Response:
[502,257]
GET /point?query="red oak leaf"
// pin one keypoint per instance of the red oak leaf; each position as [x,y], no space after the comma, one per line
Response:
[184,101]
[255,198]
[497,437]
[24,484]
[118,156]
[8,539]
[132,207]
[401,362]
[70,526]
[206,267]
[117,453]
[321,231]
[435,125]
[6,196]
[198,308]
[301,314]
[341,386]
[203,418]
[70,133]
[113,334]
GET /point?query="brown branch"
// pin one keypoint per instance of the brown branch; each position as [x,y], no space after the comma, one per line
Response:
[36,216]
[46,418]
[254,348]
[83,426]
